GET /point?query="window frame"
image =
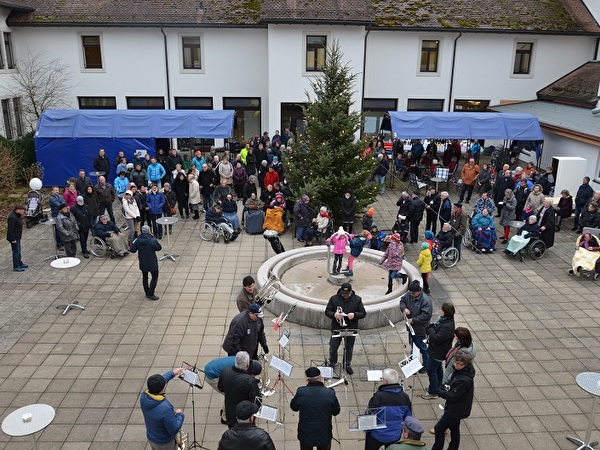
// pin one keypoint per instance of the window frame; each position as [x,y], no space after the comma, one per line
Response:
[129,98]
[440,104]
[486,104]
[2,64]
[515,57]
[237,134]
[422,50]
[18,115]
[182,48]
[9,51]
[82,53]
[205,103]
[305,36]
[7,118]
[96,98]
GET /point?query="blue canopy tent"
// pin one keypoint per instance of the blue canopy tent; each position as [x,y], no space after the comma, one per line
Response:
[69,140]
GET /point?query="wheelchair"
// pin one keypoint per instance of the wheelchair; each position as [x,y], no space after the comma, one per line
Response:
[535,248]
[100,247]
[210,231]
[447,257]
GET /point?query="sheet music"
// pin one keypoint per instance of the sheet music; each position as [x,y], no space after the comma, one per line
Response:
[368,422]
[326,371]
[282,366]
[374,375]
[409,326]
[284,341]
[190,377]
[411,368]
[415,351]
[268,413]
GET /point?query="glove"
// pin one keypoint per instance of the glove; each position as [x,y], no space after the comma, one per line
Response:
[138,219]
[266,348]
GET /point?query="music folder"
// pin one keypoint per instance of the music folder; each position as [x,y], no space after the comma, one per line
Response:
[371,419]
[280,365]
[344,333]
[190,375]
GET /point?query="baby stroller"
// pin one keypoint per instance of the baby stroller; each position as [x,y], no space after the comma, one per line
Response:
[34,212]
[586,261]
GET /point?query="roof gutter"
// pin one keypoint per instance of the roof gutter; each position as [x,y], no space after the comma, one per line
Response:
[167,68]
[451,90]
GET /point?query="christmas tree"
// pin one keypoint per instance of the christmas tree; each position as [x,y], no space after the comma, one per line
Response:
[327,161]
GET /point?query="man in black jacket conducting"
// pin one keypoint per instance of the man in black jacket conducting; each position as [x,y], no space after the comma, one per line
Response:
[237,385]
[317,405]
[344,309]
[147,246]
[245,434]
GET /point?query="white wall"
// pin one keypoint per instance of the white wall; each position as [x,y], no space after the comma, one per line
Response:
[556,145]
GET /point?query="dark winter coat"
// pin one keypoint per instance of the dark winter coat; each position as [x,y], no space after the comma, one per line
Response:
[397,407]
[417,210]
[105,194]
[207,181]
[441,335]
[420,311]
[147,246]
[102,164]
[348,209]
[155,201]
[446,210]
[81,184]
[353,304]
[405,207]
[589,219]
[244,436]
[83,216]
[238,385]
[433,201]
[565,206]
[244,334]
[548,221]
[584,193]
[459,399]
[317,405]
[162,424]
[181,189]
[67,227]
[14,230]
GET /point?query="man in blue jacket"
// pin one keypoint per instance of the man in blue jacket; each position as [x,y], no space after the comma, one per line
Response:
[390,401]
[155,202]
[155,172]
[162,420]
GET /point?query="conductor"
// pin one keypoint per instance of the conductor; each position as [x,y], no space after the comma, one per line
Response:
[344,309]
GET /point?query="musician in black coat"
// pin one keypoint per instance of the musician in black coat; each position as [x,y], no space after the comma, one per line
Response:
[344,309]
[317,405]
[432,206]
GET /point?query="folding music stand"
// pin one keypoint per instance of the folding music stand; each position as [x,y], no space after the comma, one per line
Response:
[371,419]
[343,334]
[190,376]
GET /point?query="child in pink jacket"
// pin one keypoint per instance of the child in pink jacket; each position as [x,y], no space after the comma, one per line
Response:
[339,240]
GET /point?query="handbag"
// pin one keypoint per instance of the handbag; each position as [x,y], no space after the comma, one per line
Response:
[172,210]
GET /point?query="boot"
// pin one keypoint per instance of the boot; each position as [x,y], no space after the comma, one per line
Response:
[389,290]
[349,273]
[196,215]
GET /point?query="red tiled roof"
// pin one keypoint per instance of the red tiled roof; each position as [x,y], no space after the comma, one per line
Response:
[578,88]
[556,16]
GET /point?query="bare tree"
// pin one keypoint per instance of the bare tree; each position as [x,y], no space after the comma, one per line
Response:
[41,85]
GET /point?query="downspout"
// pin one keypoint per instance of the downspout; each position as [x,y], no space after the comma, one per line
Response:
[167,69]
[364,74]
[452,74]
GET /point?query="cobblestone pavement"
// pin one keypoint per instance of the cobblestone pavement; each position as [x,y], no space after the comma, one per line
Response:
[535,327]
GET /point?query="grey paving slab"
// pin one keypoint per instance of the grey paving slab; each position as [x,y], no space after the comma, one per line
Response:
[534,326]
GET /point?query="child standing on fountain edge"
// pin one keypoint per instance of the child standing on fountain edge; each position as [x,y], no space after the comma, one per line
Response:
[339,240]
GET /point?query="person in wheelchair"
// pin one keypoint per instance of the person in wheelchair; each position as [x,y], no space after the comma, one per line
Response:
[107,230]
[526,233]
[215,215]
[483,230]
[230,212]
[445,237]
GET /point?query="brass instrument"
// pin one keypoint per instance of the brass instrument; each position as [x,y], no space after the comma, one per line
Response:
[342,321]
[265,390]
[268,291]
[182,440]
[343,380]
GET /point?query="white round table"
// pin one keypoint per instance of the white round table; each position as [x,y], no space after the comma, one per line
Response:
[28,420]
[590,383]
[167,222]
[436,180]
[67,263]
[516,224]
[96,174]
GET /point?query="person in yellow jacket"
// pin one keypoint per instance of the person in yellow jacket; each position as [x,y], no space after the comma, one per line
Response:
[424,263]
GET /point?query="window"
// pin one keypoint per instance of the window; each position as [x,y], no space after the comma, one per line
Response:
[193,103]
[316,50]
[8,125]
[1,58]
[292,117]
[191,52]
[92,53]
[145,103]
[246,122]
[8,50]
[97,102]
[17,113]
[471,105]
[429,56]
[523,55]
[375,113]
[424,104]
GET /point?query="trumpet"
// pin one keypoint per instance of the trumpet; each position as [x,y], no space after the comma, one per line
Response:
[265,390]
[268,291]
[343,380]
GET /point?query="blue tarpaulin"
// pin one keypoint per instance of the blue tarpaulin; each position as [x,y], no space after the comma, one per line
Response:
[467,125]
[67,140]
